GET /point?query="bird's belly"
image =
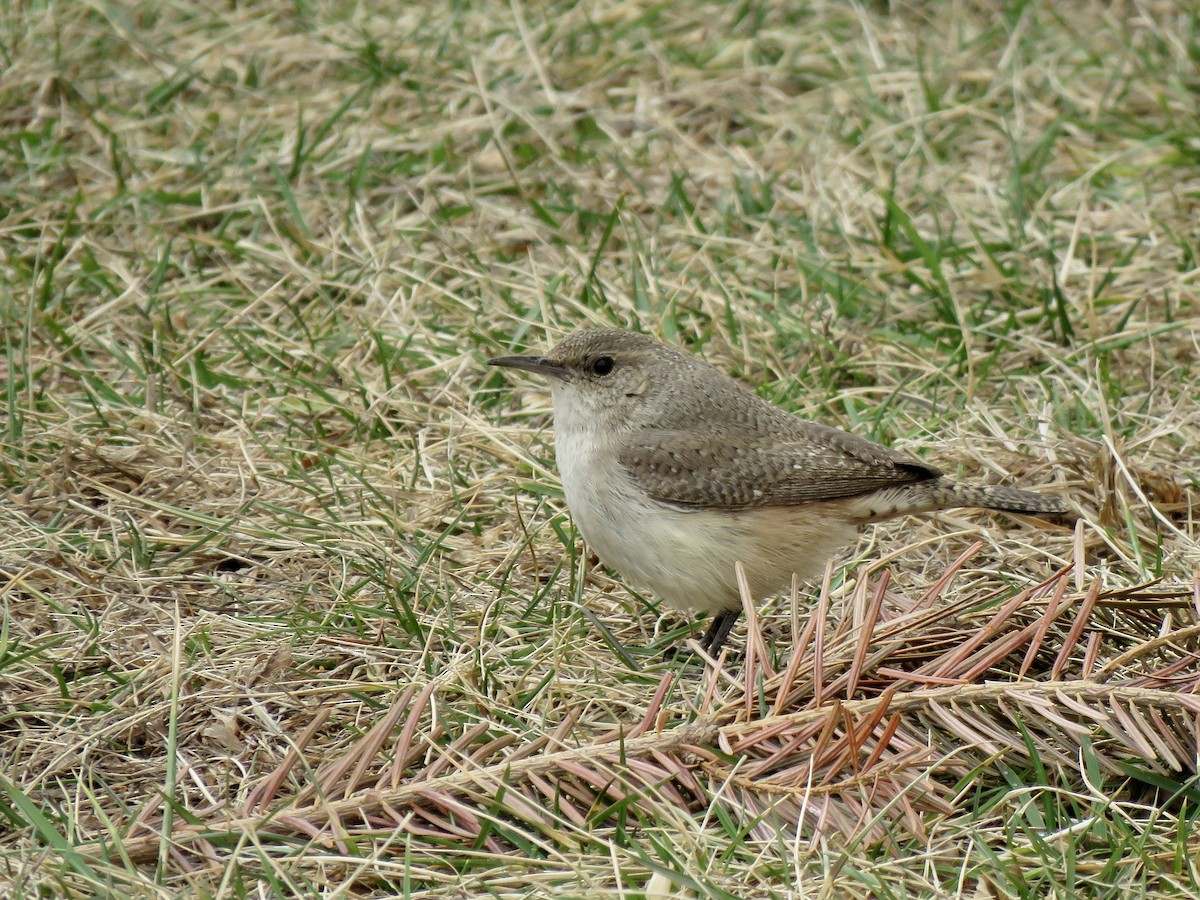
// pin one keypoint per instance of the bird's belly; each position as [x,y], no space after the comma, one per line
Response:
[687,557]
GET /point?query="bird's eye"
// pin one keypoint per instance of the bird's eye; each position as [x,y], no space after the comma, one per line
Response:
[603,365]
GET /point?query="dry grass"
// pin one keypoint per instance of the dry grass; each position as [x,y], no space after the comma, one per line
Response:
[291,601]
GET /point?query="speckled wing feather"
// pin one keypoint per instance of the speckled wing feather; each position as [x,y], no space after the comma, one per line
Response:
[735,471]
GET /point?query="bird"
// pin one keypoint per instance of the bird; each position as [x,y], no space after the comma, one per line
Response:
[674,472]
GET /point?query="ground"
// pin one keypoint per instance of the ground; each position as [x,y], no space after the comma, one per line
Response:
[292,602]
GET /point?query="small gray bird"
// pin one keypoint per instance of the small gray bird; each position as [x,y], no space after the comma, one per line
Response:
[674,472]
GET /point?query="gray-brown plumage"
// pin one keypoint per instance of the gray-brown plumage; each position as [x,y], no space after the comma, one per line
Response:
[674,472]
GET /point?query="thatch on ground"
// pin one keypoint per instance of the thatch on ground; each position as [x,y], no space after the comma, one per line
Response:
[291,600]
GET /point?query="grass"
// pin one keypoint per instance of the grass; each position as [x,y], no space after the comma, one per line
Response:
[276,544]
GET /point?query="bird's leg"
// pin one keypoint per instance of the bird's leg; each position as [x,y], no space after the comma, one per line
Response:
[722,623]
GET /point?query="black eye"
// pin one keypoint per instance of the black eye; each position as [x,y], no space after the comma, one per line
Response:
[603,365]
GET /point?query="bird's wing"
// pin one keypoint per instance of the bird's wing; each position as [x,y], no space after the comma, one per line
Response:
[728,471]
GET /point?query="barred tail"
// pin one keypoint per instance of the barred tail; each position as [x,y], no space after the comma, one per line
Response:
[942,493]
[993,497]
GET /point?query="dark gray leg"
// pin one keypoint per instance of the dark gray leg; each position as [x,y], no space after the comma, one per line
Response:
[722,623]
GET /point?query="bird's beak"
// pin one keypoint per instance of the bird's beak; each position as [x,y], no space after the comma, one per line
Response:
[536,364]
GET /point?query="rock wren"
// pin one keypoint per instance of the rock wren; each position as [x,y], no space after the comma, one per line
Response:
[674,472]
